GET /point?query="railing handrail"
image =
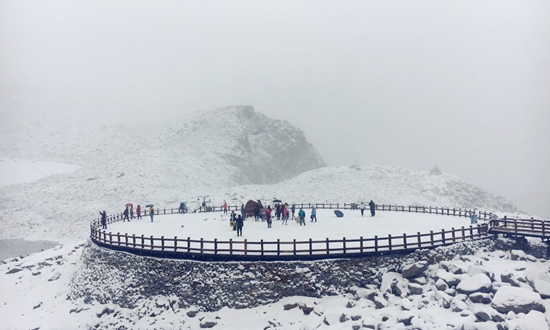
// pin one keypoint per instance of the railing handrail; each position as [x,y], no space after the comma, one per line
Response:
[314,249]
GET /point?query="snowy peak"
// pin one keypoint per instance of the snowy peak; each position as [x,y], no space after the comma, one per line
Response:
[262,150]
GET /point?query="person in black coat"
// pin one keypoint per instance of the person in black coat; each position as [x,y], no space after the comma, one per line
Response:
[103,220]
[372,208]
[239,224]
[125,213]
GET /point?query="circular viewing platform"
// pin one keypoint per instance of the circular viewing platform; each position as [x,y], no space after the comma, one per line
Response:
[210,237]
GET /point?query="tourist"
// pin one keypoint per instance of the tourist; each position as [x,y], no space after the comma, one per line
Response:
[224,207]
[132,212]
[268,216]
[125,213]
[313,213]
[302,216]
[293,209]
[138,211]
[243,215]
[372,208]
[362,207]
[103,219]
[256,211]
[239,224]
[151,213]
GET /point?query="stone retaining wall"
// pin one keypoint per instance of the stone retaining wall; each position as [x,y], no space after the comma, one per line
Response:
[121,278]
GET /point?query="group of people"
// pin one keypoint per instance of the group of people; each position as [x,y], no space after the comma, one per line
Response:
[372,208]
[127,214]
[281,211]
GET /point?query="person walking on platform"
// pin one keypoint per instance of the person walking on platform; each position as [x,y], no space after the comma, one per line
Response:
[268,216]
[302,216]
[151,213]
[362,207]
[138,211]
[313,214]
[239,224]
[372,208]
[125,213]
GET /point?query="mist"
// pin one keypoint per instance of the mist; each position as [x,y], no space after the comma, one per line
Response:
[461,85]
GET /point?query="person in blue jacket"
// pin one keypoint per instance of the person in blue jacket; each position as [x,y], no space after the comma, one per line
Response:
[302,216]
[313,214]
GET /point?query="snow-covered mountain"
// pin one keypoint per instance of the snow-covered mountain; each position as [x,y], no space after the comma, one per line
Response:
[225,154]
[383,184]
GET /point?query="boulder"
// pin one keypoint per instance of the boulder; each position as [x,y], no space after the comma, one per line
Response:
[414,270]
[542,287]
[450,279]
[509,278]
[534,320]
[480,298]
[416,288]
[518,255]
[476,283]
[474,270]
[479,326]
[517,300]
[441,285]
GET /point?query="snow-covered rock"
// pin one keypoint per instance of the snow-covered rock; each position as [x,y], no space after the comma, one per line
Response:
[476,283]
[517,300]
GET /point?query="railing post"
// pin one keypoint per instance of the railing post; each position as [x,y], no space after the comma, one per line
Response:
[463,234]
[278,247]
[188,244]
[202,245]
[142,242]
[328,246]
[294,246]
[230,246]
[419,240]
[175,243]
[454,237]
[118,238]
[389,242]
[375,243]
[262,247]
[152,242]
[471,232]
[361,244]
[310,247]
[344,244]
[443,236]
[126,239]
[405,241]
[134,241]
[245,246]
[215,246]
[432,237]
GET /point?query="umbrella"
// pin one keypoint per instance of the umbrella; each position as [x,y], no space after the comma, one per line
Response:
[129,205]
[276,201]
[149,205]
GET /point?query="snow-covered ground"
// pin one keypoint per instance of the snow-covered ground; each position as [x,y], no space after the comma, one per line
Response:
[14,171]
[352,225]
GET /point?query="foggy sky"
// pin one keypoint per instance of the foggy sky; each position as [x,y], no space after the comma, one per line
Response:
[463,85]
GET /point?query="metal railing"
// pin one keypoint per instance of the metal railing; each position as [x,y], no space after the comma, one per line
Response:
[214,249]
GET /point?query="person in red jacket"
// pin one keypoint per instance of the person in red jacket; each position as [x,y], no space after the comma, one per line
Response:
[138,211]
[224,207]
